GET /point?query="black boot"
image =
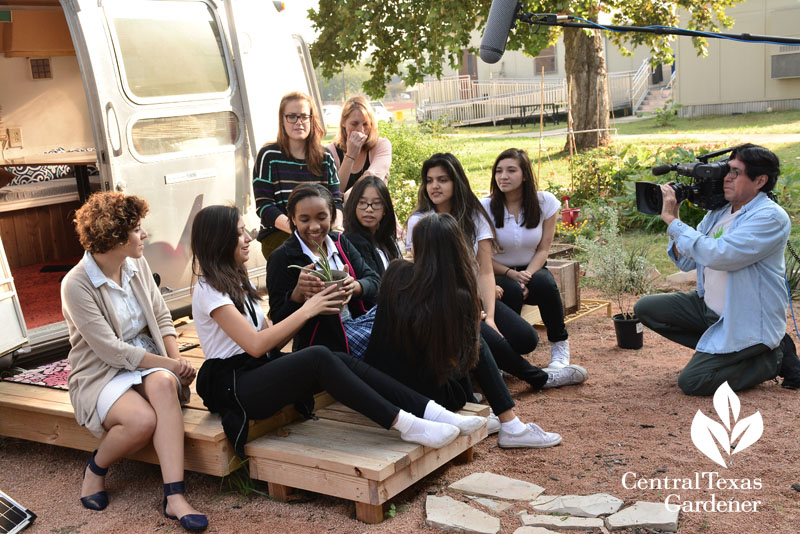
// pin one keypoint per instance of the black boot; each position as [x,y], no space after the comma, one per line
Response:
[790,367]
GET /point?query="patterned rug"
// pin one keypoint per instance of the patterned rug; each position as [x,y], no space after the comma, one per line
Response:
[54,375]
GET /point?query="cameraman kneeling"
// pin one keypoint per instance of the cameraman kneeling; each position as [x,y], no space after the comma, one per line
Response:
[736,319]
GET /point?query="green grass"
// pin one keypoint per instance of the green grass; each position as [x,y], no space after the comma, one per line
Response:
[779,122]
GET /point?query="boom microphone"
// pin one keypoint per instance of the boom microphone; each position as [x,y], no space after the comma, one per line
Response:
[658,170]
[501,19]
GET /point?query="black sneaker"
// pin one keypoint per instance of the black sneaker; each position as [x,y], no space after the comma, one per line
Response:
[790,367]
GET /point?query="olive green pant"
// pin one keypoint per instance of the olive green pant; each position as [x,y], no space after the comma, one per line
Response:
[273,241]
[683,318]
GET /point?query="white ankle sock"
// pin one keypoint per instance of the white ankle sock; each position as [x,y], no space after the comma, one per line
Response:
[404,422]
[514,426]
[440,414]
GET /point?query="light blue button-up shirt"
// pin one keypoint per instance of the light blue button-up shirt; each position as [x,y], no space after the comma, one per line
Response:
[752,253]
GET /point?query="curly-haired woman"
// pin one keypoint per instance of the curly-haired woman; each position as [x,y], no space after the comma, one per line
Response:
[127,376]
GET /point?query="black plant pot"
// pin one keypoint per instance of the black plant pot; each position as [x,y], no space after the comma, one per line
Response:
[630,332]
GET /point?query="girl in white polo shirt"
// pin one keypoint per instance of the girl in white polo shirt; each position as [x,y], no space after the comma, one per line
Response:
[525,222]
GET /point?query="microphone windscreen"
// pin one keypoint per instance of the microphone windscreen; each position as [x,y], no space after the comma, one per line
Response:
[658,170]
[498,25]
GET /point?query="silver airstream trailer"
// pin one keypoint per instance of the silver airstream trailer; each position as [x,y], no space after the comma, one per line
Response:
[165,99]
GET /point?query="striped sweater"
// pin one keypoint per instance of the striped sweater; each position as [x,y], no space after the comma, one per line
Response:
[275,175]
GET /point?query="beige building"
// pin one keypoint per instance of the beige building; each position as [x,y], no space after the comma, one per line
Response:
[735,77]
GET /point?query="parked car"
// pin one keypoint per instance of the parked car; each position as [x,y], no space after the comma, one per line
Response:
[331,114]
[381,113]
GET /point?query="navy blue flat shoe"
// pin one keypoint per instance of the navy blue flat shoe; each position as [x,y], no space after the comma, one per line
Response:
[97,501]
[191,522]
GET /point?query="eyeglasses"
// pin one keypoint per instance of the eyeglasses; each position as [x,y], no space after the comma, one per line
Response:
[293,117]
[735,173]
[376,205]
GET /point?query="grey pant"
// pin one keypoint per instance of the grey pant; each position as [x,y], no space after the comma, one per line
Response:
[683,318]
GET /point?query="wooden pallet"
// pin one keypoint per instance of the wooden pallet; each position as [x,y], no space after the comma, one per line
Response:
[346,455]
[587,306]
[342,454]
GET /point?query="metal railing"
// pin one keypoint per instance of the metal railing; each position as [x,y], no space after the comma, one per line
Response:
[640,85]
[466,101]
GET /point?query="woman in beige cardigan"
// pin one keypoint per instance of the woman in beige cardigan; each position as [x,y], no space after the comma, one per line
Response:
[127,374]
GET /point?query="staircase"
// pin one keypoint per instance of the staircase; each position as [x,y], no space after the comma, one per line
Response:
[656,98]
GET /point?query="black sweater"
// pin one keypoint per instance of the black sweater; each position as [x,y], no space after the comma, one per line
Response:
[367,250]
[323,330]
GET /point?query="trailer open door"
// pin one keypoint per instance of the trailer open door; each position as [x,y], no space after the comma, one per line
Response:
[14,335]
[167,118]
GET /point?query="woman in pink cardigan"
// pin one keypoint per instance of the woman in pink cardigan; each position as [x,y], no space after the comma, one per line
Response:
[127,377]
[357,147]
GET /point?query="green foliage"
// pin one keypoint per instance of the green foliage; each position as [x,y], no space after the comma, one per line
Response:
[787,189]
[665,115]
[793,271]
[618,272]
[410,148]
[239,481]
[325,273]
[390,512]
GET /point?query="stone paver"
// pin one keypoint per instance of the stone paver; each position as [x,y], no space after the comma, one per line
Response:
[495,506]
[534,530]
[642,514]
[561,522]
[449,514]
[578,505]
[497,486]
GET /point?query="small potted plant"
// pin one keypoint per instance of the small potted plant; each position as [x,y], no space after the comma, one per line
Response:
[325,273]
[620,273]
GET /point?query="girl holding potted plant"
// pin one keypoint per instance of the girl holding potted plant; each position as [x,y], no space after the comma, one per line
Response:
[420,338]
[246,377]
[290,282]
[445,189]
[297,156]
[525,222]
[370,222]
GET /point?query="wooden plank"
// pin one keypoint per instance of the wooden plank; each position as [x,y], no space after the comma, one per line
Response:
[531,313]
[369,513]
[9,237]
[349,487]
[319,457]
[434,459]
[343,433]
[567,276]
[279,492]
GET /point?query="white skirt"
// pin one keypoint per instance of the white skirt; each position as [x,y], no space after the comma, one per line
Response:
[125,379]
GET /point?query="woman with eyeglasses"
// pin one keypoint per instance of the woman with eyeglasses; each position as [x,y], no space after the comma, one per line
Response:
[358,148]
[296,157]
[370,222]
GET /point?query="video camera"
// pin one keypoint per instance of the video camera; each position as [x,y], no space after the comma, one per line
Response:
[705,191]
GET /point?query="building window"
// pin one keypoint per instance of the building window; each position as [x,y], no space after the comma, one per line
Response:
[546,59]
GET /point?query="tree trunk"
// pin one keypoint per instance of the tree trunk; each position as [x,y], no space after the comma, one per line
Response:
[585,65]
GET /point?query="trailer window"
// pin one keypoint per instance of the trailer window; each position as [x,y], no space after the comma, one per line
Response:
[187,133]
[168,49]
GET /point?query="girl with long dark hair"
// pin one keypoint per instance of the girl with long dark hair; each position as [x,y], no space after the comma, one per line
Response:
[245,376]
[525,222]
[296,157]
[426,331]
[445,189]
[370,223]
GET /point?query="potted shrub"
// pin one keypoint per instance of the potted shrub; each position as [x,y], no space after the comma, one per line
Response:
[325,273]
[619,273]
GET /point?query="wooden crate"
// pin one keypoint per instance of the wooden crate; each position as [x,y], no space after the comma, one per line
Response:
[346,455]
[567,274]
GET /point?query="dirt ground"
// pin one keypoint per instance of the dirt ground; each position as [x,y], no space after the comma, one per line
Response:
[629,417]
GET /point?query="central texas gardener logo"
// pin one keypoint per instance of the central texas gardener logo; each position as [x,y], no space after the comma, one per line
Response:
[709,436]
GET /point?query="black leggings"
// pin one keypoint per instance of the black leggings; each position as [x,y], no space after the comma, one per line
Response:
[263,391]
[487,375]
[518,337]
[542,292]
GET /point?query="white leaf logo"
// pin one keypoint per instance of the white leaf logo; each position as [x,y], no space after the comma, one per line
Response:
[709,435]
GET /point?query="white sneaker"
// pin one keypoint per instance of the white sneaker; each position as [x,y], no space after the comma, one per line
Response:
[478,397]
[467,424]
[567,376]
[559,355]
[432,434]
[492,424]
[533,437]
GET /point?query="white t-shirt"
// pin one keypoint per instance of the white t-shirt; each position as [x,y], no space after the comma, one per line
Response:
[518,244]
[714,282]
[216,343]
[483,230]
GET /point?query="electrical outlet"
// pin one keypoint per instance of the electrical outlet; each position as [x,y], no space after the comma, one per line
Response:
[15,137]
